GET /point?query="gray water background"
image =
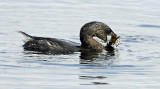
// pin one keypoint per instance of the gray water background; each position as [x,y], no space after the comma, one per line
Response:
[133,65]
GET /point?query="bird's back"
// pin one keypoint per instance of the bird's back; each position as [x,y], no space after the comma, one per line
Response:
[50,45]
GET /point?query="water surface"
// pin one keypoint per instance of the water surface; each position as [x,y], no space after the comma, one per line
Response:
[133,65]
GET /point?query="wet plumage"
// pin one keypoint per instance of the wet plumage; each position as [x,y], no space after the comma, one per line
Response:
[61,46]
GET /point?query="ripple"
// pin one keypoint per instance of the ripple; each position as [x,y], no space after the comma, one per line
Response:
[92,77]
[140,39]
[100,83]
[149,26]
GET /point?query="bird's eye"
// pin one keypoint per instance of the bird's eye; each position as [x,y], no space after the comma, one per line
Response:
[109,30]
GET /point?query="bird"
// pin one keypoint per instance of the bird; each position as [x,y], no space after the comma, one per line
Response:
[61,46]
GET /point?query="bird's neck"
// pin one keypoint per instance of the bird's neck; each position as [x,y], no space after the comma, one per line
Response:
[90,43]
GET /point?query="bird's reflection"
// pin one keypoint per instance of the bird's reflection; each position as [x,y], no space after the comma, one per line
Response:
[87,57]
[96,61]
[92,63]
[93,78]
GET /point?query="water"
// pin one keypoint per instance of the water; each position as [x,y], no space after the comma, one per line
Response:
[134,63]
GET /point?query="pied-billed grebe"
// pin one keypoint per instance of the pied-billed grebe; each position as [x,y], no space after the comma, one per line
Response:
[60,46]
